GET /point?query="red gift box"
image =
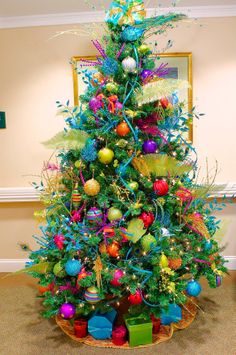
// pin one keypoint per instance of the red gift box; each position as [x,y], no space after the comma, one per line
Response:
[119,335]
[81,328]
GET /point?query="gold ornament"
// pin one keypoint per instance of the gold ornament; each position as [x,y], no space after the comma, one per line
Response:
[92,187]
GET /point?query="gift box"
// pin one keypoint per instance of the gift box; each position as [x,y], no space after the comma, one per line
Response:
[156,324]
[119,335]
[100,325]
[80,328]
[140,330]
[172,315]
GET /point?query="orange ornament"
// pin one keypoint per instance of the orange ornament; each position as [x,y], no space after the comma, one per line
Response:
[43,289]
[122,129]
[174,264]
[97,79]
[113,249]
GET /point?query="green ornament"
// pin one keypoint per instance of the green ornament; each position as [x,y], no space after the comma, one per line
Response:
[133,185]
[112,87]
[148,242]
[144,49]
[58,270]
[114,214]
[105,155]
[122,143]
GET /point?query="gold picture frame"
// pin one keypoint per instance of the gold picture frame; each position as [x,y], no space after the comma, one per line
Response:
[179,62]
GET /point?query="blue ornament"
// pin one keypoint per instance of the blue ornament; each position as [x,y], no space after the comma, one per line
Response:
[73,267]
[193,288]
[131,34]
[208,245]
[89,152]
[172,315]
[109,66]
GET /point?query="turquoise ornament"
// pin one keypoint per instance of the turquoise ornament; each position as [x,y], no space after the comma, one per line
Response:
[131,34]
[193,288]
[73,267]
[109,66]
[208,245]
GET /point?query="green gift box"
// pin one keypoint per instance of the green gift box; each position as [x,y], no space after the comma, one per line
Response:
[140,330]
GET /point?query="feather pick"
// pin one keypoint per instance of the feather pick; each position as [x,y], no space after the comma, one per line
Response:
[73,139]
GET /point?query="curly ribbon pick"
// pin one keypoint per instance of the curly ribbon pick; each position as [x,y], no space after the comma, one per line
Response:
[111,103]
[81,176]
[201,261]
[149,304]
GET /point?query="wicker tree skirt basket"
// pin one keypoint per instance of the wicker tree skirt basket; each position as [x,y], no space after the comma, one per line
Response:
[188,315]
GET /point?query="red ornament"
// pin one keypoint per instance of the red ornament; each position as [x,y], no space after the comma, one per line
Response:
[164,102]
[122,129]
[113,249]
[135,298]
[81,328]
[108,232]
[160,187]
[147,218]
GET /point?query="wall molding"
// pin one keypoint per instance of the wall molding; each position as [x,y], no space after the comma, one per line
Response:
[29,194]
[98,16]
[18,194]
[12,265]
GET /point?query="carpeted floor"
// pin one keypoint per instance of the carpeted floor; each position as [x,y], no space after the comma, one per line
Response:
[24,332]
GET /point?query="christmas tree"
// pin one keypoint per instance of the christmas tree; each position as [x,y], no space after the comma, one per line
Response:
[126,221]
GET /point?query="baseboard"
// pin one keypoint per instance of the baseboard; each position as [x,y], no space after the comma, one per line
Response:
[11,265]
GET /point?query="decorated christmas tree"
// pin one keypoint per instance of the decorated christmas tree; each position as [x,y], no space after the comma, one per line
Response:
[128,230]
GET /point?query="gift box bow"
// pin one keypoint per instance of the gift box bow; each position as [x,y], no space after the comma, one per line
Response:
[126,12]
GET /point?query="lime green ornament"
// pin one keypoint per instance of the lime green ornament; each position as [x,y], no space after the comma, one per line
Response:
[148,242]
[112,87]
[164,261]
[114,214]
[58,270]
[105,155]
[144,49]
[77,164]
[133,185]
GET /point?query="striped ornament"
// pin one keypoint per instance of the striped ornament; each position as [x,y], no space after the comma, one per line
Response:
[94,215]
[91,295]
[76,198]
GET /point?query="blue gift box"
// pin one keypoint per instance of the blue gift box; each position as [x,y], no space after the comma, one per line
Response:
[172,315]
[100,325]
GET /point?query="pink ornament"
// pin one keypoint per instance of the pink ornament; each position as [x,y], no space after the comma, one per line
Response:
[116,277]
[119,105]
[76,216]
[59,241]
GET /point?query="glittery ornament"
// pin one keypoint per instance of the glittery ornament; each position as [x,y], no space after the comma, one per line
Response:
[148,242]
[193,288]
[91,295]
[146,74]
[105,155]
[122,129]
[97,79]
[109,66]
[147,218]
[135,298]
[59,241]
[129,65]
[112,87]
[130,34]
[59,270]
[89,152]
[175,264]
[160,187]
[67,310]
[113,249]
[149,146]
[118,274]
[114,214]
[95,104]
[92,187]
[94,215]
[73,267]
[144,49]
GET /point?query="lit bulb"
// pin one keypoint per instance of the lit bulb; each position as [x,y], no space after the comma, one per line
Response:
[118,303]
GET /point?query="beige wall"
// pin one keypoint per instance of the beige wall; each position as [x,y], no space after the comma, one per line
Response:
[35,72]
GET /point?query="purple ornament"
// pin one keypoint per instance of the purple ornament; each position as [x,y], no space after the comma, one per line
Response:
[67,310]
[149,147]
[119,105]
[95,104]
[146,74]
